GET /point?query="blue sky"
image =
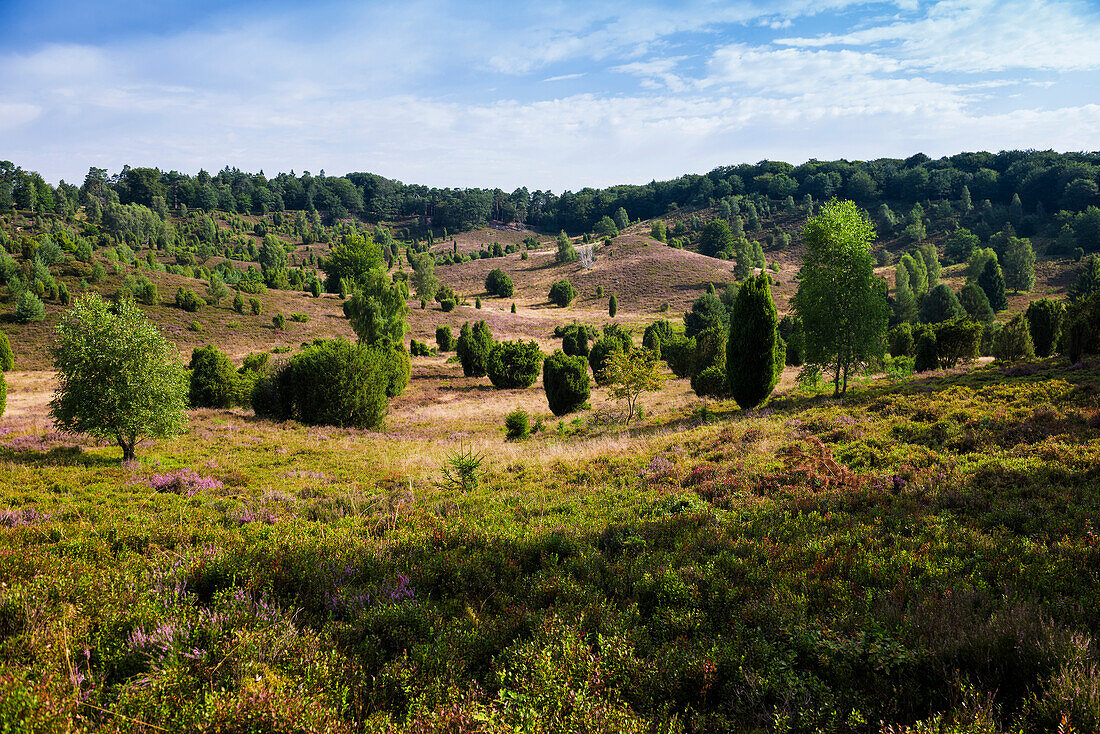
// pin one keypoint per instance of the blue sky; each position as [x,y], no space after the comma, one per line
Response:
[553,95]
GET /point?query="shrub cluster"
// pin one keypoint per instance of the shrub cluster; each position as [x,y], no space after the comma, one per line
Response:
[188,300]
[331,382]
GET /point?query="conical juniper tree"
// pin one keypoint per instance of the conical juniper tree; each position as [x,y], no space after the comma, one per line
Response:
[754,352]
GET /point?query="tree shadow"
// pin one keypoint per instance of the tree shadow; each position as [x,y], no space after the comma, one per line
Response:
[58,456]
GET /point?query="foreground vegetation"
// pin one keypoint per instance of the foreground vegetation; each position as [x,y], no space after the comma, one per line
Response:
[918,548]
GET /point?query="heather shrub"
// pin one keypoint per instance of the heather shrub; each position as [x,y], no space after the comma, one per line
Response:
[565,380]
[213,378]
[514,364]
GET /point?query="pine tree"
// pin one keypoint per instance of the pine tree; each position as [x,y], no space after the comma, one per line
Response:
[941,304]
[754,354]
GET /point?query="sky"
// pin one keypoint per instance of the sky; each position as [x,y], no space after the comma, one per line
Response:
[554,94]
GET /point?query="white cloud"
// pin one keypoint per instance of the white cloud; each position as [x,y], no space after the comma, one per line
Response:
[981,36]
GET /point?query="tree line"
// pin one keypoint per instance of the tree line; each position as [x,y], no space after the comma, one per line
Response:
[1031,187]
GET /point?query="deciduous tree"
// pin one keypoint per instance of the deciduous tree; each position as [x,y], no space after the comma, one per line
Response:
[840,301]
[118,377]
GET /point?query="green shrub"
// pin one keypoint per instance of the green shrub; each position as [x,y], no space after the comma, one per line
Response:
[574,339]
[419,349]
[497,283]
[711,383]
[213,378]
[940,304]
[270,398]
[613,338]
[1081,328]
[790,331]
[444,339]
[278,321]
[926,357]
[29,308]
[473,348]
[447,305]
[300,318]
[900,340]
[7,356]
[145,291]
[194,326]
[656,335]
[238,303]
[477,303]
[1044,321]
[517,425]
[565,380]
[514,364]
[562,293]
[187,300]
[678,352]
[335,382]
[256,305]
[397,365]
[1014,341]
[612,306]
[957,340]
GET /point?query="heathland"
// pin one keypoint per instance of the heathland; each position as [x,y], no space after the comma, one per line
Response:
[918,554]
